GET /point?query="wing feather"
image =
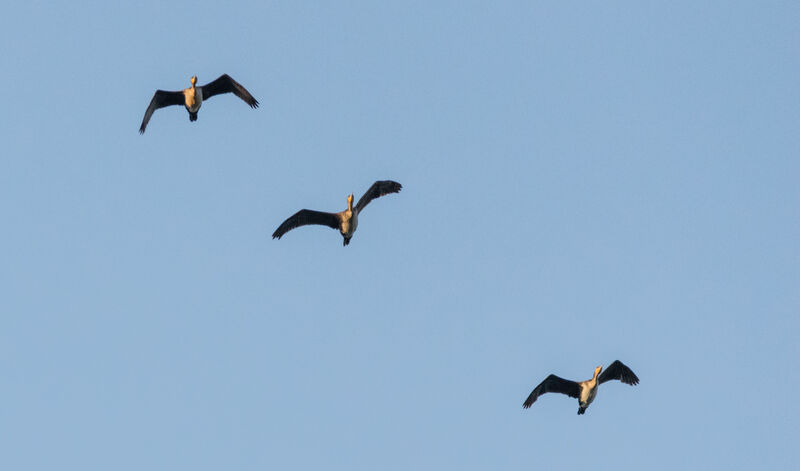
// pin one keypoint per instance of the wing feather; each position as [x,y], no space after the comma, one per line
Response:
[618,370]
[305,217]
[160,100]
[553,383]
[225,84]
[377,190]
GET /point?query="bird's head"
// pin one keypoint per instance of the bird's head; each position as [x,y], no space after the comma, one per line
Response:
[193,80]
[350,201]
[598,370]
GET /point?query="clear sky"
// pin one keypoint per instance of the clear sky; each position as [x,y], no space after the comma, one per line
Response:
[582,182]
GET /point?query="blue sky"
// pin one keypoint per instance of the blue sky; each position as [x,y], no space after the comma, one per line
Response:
[583,182]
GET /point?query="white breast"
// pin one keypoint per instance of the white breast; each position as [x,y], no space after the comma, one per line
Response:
[349,223]
[193,99]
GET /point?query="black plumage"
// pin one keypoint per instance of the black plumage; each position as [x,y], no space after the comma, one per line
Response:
[618,370]
[553,383]
[345,221]
[192,102]
[584,391]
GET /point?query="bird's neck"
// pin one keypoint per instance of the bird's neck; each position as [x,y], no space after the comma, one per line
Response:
[594,378]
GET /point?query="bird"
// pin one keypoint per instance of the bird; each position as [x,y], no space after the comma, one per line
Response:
[346,221]
[192,97]
[584,391]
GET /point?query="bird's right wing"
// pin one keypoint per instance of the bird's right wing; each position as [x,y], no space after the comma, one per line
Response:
[553,384]
[160,100]
[305,217]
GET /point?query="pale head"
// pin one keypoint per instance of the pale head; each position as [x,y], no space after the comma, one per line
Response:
[598,370]
[193,80]
[350,201]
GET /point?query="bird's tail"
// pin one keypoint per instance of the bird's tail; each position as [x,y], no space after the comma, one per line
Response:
[192,116]
[346,241]
[581,410]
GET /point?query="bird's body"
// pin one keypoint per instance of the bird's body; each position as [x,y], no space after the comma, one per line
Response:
[588,391]
[345,221]
[584,391]
[192,98]
[349,222]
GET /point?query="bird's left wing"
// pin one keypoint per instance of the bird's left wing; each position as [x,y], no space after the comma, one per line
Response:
[618,370]
[377,190]
[225,84]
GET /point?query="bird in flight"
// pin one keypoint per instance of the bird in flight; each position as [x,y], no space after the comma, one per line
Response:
[192,98]
[345,221]
[584,391]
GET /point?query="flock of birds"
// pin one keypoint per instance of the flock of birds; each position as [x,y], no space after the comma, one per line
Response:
[347,221]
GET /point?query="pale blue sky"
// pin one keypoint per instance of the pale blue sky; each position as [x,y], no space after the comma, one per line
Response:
[583,182]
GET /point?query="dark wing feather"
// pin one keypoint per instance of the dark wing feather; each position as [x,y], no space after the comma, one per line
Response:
[618,371]
[553,384]
[160,100]
[225,84]
[377,190]
[305,217]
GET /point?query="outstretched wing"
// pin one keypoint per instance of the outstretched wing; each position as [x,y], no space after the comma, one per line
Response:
[553,384]
[619,371]
[377,190]
[160,100]
[225,84]
[305,217]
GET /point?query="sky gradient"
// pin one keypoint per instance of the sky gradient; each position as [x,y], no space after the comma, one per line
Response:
[582,182]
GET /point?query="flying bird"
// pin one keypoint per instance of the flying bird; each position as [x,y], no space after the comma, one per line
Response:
[192,97]
[346,221]
[584,391]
